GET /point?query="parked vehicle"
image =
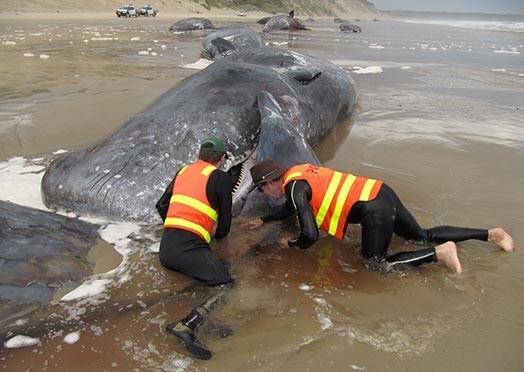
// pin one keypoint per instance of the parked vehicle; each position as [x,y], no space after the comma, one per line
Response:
[242,13]
[147,11]
[127,11]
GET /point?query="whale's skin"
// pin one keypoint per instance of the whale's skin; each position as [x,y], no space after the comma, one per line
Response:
[239,37]
[123,176]
[41,252]
[192,24]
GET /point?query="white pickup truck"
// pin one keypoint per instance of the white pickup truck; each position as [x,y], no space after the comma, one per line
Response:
[127,11]
[147,11]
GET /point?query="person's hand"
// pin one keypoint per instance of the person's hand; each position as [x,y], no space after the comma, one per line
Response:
[252,224]
[284,239]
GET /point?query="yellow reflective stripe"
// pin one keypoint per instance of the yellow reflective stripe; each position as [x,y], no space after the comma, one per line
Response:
[292,175]
[207,170]
[366,190]
[196,204]
[183,169]
[341,200]
[328,197]
[171,221]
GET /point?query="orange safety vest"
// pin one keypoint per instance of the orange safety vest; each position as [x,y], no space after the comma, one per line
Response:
[189,209]
[333,194]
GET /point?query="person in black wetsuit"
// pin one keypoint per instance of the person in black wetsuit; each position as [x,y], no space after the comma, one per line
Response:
[331,200]
[198,198]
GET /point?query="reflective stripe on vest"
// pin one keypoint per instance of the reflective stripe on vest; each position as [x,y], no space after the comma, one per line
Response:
[341,201]
[194,203]
[180,222]
[337,199]
[328,197]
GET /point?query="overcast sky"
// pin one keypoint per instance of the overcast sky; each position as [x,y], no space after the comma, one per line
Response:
[473,6]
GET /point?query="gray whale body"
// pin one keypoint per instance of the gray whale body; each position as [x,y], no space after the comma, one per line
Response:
[192,24]
[230,39]
[123,176]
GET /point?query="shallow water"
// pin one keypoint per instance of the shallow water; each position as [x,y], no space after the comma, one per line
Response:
[442,124]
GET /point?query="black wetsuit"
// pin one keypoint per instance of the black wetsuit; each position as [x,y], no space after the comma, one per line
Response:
[185,251]
[379,218]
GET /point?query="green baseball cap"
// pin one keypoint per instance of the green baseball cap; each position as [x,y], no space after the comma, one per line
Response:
[213,144]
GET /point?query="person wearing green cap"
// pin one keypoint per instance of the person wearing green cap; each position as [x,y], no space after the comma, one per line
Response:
[198,198]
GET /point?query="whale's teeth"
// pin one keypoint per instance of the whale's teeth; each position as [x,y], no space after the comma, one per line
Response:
[240,178]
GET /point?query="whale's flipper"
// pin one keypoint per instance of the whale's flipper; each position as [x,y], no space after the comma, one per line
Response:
[280,141]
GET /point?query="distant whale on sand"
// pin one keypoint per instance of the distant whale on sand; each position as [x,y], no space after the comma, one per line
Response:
[122,177]
[283,22]
[230,39]
[351,27]
[192,24]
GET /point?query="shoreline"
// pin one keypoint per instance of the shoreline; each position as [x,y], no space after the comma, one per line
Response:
[217,14]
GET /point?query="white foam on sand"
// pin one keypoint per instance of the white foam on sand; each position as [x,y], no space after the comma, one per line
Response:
[201,64]
[21,341]
[368,70]
[20,182]
[87,289]
[305,287]
[72,337]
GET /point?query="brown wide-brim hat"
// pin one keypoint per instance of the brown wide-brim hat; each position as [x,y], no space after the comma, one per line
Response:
[266,170]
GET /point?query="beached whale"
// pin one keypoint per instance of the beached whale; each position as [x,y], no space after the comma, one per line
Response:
[283,22]
[230,39]
[122,177]
[263,20]
[41,252]
[192,24]
[349,27]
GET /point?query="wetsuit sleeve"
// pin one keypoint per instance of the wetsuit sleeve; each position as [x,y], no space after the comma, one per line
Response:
[163,203]
[218,192]
[299,193]
[280,213]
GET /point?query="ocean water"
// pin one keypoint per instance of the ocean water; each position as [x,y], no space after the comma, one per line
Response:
[439,118]
[480,25]
[492,22]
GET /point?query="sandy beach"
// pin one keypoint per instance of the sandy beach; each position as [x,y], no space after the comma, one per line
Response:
[439,117]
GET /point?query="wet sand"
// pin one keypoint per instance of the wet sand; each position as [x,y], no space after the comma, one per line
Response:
[441,124]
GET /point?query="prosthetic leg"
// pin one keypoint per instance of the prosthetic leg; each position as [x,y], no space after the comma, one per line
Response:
[185,330]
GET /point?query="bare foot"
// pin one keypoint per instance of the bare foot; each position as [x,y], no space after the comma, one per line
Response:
[447,253]
[501,238]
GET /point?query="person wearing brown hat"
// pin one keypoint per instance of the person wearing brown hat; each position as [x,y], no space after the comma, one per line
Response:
[198,198]
[330,200]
